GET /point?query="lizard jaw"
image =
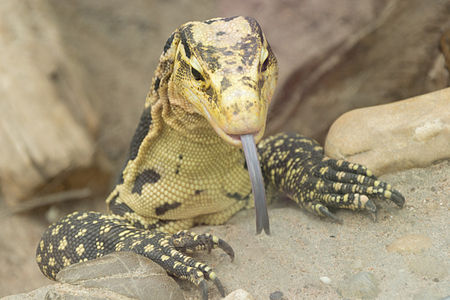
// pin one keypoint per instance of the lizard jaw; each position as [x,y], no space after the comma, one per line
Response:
[233,138]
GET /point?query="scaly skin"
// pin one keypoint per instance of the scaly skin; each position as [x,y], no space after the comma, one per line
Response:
[214,82]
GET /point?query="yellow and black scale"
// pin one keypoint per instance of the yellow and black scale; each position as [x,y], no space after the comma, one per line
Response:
[213,83]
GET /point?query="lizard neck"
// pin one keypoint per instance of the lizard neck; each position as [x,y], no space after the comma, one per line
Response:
[192,134]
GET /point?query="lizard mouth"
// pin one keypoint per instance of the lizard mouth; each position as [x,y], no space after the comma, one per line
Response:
[233,136]
[235,139]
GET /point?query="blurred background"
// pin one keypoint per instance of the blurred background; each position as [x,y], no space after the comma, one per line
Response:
[74,76]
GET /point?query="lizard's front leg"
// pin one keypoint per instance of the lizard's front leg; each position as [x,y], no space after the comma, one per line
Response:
[297,166]
[80,237]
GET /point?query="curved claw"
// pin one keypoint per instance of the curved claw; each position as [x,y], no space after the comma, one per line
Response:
[204,287]
[370,206]
[219,286]
[329,214]
[397,198]
[226,248]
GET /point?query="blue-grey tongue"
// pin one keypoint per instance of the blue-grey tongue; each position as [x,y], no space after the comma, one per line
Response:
[259,194]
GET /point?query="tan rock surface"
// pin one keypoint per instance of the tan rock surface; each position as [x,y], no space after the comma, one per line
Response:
[397,136]
[35,126]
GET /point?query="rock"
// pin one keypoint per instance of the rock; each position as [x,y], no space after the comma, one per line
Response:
[278,295]
[36,294]
[387,138]
[412,243]
[361,285]
[124,273]
[239,294]
[120,276]
[68,291]
[48,138]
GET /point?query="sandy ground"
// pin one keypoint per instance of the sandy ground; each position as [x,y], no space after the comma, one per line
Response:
[302,248]
[405,254]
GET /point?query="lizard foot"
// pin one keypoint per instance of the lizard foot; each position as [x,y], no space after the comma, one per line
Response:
[342,184]
[169,255]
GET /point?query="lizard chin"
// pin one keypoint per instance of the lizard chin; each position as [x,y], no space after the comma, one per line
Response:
[235,139]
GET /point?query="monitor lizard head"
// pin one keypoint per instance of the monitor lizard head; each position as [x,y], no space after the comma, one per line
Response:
[225,70]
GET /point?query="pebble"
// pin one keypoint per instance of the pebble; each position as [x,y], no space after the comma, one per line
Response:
[325,279]
[412,243]
[361,285]
[239,294]
[278,295]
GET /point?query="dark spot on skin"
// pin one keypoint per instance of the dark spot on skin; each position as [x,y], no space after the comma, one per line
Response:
[187,50]
[224,84]
[210,21]
[239,69]
[118,208]
[121,179]
[157,81]
[210,55]
[141,132]
[249,48]
[197,192]
[238,196]
[160,210]
[220,33]
[237,109]
[177,170]
[229,19]
[169,43]
[180,156]
[248,82]
[260,83]
[254,25]
[147,176]
[210,92]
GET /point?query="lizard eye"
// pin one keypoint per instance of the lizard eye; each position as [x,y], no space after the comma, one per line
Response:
[265,59]
[265,64]
[197,75]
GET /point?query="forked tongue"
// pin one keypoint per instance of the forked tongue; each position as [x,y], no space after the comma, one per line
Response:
[259,194]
